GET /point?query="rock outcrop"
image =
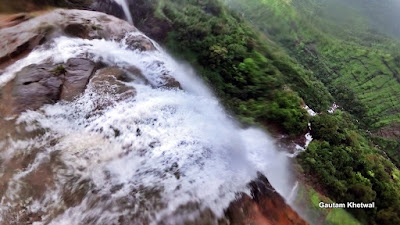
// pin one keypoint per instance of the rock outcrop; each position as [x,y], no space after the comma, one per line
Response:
[33,86]
[77,73]
[140,42]
[110,81]
[264,207]
[108,6]
[36,85]
[22,38]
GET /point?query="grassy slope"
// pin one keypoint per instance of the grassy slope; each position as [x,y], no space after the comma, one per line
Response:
[309,200]
[366,59]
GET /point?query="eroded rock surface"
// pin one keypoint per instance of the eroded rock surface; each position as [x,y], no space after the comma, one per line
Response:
[111,80]
[264,207]
[36,85]
[33,86]
[140,42]
[77,73]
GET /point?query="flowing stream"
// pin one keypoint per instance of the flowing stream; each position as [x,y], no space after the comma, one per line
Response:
[160,157]
[125,7]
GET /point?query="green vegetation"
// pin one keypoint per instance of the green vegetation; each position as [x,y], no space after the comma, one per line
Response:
[254,78]
[359,66]
[350,169]
[59,70]
[309,199]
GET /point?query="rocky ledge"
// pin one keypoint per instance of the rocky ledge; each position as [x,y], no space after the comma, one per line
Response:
[264,207]
[36,85]
[23,32]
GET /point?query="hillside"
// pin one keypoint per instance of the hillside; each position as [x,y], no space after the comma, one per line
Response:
[267,60]
[360,66]
[347,55]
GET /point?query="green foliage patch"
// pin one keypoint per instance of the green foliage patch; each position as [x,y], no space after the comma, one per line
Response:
[253,76]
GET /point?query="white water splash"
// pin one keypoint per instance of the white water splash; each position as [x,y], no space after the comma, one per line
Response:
[310,111]
[308,137]
[125,7]
[293,193]
[333,108]
[160,157]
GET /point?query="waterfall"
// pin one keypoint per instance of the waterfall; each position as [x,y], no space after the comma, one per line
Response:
[163,155]
[125,7]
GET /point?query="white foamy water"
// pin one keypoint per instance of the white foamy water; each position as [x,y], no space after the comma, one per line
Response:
[160,157]
[125,7]
[310,111]
[333,108]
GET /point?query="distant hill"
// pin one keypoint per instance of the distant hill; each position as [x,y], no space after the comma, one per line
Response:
[355,15]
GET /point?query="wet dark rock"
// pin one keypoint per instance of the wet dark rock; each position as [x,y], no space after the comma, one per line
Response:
[135,75]
[146,20]
[77,74]
[77,30]
[75,191]
[264,207]
[170,82]
[116,188]
[117,132]
[203,216]
[110,81]
[92,25]
[108,6]
[34,86]
[140,42]
[138,132]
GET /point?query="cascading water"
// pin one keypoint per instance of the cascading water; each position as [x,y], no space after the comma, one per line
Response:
[160,157]
[125,8]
